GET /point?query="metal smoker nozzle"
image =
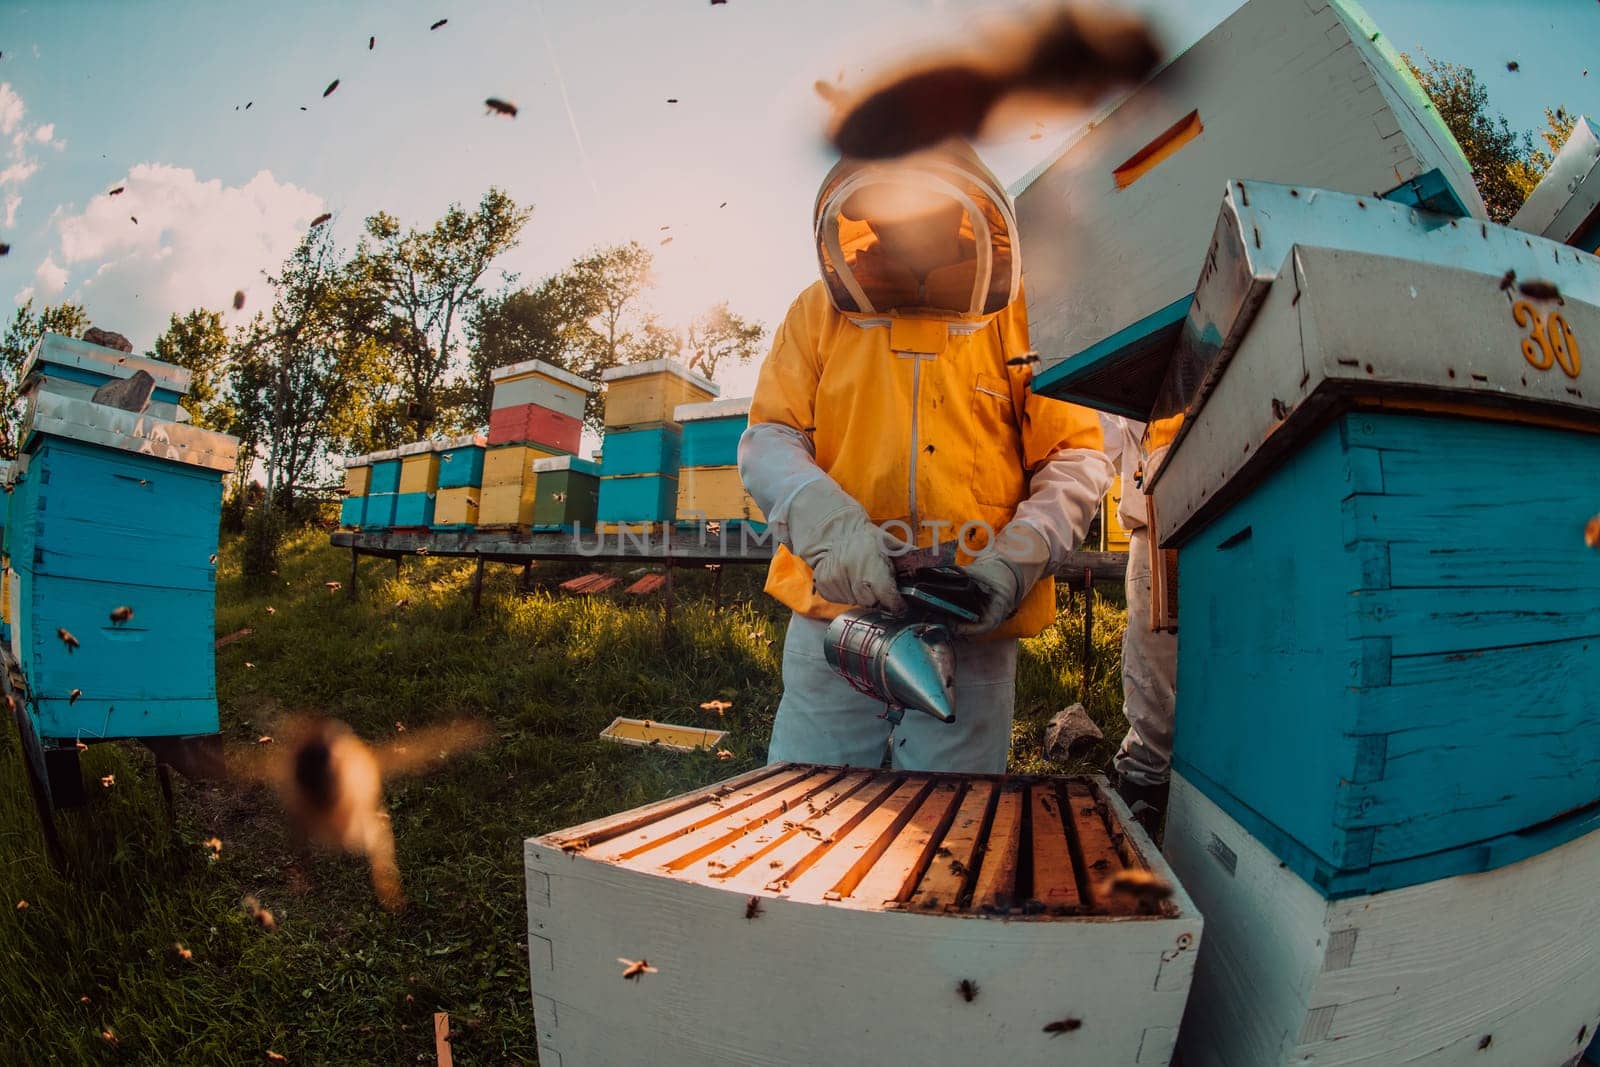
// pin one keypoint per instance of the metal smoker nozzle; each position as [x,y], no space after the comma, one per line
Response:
[906,663]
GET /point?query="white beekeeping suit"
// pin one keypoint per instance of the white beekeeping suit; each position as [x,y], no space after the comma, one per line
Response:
[1149,657]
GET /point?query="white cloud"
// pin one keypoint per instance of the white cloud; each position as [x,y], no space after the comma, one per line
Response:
[44,133]
[12,202]
[18,165]
[11,109]
[195,243]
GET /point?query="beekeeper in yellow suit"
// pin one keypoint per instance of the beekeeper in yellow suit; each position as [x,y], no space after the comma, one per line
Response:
[893,424]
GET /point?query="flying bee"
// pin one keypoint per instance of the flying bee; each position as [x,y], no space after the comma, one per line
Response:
[436,25]
[118,191]
[1023,360]
[121,615]
[1536,289]
[238,299]
[724,754]
[271,610]
[320,219]
[1139,885]
[632,969]
[718,706]
[109,1037]
[403,602]
[1507,280]
[1063,1026]
[107,781]
[264,739]
[67,638]
[1069,55]
[276,1057]
[501,107]
[331,87]
[752,908]
[22,905]
[262,916]
[331,783]
[371,43]
[1591,533]
[968,990]
[1513,66]
[213,846]
[333,586]
[72,698]
[182,953]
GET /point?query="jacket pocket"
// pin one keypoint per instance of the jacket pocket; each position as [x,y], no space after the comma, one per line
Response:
[997,476]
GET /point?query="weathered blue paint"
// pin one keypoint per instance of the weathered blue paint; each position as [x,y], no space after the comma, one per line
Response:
[713,442]
[638,498]
[649,451]
[461,467]
[1389,651]
[88,377]
[96,529]
[353,511]
[380,511]
[1083,377]
[385,477]
[413,509]
[1430,191]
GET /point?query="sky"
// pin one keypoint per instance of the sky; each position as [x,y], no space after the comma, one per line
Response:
[152,97]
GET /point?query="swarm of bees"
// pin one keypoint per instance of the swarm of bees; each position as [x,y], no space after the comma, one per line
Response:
[632,969]
[331,783]
[1067,55]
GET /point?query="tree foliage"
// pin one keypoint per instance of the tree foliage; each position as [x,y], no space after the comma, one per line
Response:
[423,281]
[199,343]
[21,335]
[1505,164]
[719,337]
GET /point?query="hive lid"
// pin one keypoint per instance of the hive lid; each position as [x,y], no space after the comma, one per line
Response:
[727,408]
[83,420]
[564,463]
[384,456]
[938,844]
[349,462]
[660,366]
[466,440]
[1565,205]
[53,348]
[539,366]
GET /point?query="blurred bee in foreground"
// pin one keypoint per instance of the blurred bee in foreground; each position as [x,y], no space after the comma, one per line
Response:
[1139,885]
[632,969]
[331,783]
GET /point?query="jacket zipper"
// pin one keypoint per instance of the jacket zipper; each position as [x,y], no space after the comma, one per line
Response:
[916,401]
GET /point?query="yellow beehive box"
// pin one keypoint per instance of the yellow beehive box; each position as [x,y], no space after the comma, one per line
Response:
[714,493]
[456,507]
[506,505]
[512,464]
[419,467]
[357,476]
[640,394]
[1113,536]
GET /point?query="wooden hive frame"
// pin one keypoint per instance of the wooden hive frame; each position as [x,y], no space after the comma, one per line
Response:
[803,914]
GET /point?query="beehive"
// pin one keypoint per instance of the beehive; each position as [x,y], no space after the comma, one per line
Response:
[383,486]
[114,508]
[1304,91]
[567,491]
[1495,968]
[538,402]
[76,368]
[1405,719]
[646,394]
[715,494]
[456,508]
[801,914]
[461,462]
[418,486]
[632,498]
[357,476]
[711,431]
[509,485]
[652,450]
[1113,536]
[1565,205]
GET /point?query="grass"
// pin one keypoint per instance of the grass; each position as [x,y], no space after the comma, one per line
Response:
[340,980]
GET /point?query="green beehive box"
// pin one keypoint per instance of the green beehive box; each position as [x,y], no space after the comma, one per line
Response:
[566,491]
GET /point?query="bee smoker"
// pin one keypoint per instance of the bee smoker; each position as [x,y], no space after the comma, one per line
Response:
[904,662]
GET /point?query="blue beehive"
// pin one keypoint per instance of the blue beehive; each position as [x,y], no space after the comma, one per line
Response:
[637,498]
[461,462]
[383,486]
[653,450]
[413,509]
[353,511]
[114,508]
[711,431]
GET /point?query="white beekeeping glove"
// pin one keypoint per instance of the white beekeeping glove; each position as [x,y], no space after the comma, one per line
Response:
[848,554]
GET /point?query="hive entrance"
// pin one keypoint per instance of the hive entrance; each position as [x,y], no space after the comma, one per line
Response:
[1014,846]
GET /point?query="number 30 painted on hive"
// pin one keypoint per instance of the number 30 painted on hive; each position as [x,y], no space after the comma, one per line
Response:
[1551,340]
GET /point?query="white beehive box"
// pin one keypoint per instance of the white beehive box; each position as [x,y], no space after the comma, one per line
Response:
[1115,228]
[1565,205]
[817,915]
[1500,968]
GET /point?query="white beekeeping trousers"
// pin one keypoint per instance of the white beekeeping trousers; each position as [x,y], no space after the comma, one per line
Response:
[821,719]
[1149,677]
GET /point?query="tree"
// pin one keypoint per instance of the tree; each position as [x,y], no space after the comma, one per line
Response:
[511,327]
[424,280]
[306,370]
[199,343]
[1504,162]
[24,332]
[720,336]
